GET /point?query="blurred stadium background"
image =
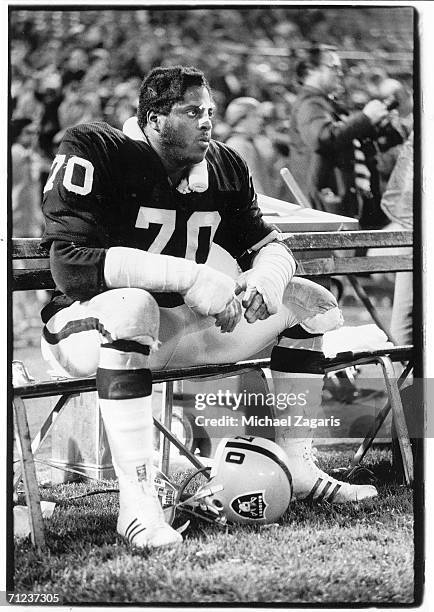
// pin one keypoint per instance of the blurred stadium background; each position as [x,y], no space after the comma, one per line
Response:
[68,66]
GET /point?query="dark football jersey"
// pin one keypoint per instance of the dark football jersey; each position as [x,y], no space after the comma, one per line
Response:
[106,189]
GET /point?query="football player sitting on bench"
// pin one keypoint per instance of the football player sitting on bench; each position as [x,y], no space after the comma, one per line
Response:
[131,217]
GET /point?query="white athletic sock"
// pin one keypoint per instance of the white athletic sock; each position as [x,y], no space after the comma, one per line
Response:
[124,385]
[129,427]
[302,389]
[304,392]
[128,420]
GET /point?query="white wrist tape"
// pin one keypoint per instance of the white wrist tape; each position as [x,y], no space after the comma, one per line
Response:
[204,289]
[273,268]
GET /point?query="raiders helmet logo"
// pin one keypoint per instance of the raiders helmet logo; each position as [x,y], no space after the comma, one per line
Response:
[250,505]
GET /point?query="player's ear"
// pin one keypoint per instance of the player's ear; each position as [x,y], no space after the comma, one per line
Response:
[153,119]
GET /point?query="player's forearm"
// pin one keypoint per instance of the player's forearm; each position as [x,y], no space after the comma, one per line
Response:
[275,259]
[82,272]
[204,289]
[272,270]
[128,267]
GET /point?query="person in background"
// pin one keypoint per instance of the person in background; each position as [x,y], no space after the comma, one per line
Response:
[77,106]
[75,66]
[333,153]
[397,204]
[245,121]
[27,218]
[402,117]
[26,163]
[50,94]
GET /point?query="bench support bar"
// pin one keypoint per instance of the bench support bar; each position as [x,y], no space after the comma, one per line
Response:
[29,474]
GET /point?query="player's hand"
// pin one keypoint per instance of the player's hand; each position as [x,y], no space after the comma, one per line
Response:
[253,302]
[229,318]
[376,111]
[211,291]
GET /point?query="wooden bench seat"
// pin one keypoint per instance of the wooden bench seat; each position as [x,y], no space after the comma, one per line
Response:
[333,265]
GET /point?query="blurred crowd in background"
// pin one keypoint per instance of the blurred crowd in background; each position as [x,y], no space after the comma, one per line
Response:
[69,67]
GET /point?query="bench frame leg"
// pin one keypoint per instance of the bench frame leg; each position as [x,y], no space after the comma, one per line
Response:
[395,402]
[399,417]
[168,412]
[379,420]
[29,474]
[44,430]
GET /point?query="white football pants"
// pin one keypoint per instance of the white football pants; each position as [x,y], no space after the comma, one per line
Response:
[185,338]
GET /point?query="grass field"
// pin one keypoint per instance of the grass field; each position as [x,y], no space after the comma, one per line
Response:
[356,553]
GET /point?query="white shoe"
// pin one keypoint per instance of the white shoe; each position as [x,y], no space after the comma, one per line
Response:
[141,518]
[312,484]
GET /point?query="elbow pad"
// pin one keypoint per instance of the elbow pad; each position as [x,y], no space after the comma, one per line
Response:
[204,289]
[273,268]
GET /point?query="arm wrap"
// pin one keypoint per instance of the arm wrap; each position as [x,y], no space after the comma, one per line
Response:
[204,289]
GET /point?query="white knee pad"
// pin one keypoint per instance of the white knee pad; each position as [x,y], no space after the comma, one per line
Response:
[130,314]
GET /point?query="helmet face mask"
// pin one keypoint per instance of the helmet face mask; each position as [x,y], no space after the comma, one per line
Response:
[251,481]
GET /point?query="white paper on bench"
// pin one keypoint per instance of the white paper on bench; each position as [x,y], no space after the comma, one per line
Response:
[355,338]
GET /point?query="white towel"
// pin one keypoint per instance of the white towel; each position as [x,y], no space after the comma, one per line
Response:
[183,186]
[198,177]
[132,130]
[355,338]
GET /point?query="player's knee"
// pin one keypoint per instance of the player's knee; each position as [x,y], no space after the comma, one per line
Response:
[309,295]
[133,315]
[319,305]
[323,322]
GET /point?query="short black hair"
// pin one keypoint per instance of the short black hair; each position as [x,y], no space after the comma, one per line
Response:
[314,58]
[164,86]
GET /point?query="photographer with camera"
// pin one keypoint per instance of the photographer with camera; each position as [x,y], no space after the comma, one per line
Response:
[333,153]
